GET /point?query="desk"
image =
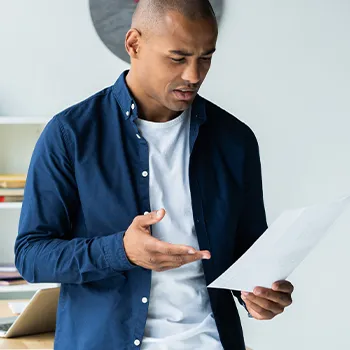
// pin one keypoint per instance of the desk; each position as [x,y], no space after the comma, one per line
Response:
[38,341]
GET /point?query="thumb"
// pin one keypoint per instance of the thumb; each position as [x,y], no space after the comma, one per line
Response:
[152,218]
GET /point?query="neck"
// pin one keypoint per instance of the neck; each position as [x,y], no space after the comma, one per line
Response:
[148,108]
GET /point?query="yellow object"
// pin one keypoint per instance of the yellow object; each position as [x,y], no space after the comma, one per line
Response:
[38,341]
[13,177]
[12,180]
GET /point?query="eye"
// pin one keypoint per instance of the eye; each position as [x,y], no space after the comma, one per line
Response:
[206,58]
[178,60]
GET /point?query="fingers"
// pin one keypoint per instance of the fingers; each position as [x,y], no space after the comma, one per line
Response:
[258,312]
[266,303]
[262,304]
[158,246]
[182,259]
[162,256]
[170,249]
[283,286]
[163,262]
[283,299]
[145,221]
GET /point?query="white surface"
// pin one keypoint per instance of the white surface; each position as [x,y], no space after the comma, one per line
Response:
[17,142]
[48,65]
[9,205]
[11,191]
[284,245]
[30,287]
[8,269]
[17,307]
[282,67]
[23,120]
[179,309]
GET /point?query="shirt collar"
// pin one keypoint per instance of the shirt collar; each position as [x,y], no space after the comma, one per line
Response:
[129,107]
[124,97]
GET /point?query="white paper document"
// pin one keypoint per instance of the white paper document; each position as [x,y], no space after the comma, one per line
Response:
[282,247]
[17,307]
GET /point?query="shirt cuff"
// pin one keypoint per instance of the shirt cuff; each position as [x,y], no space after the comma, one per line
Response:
[114,249]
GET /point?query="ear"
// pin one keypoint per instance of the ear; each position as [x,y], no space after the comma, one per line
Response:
[132,42]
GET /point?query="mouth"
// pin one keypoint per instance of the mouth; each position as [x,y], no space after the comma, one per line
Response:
[184,94]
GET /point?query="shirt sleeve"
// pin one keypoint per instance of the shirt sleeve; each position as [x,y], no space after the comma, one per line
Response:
[44,251]
[252,221]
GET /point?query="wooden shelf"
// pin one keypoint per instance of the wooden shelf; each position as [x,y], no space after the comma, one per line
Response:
[23,120]
[9,205]
[18,137]
[30,287]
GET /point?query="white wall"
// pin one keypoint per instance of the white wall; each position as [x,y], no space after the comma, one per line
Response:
[282,67]
[51,56]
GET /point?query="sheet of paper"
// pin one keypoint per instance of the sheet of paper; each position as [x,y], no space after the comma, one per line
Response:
[282,247]
[17,306]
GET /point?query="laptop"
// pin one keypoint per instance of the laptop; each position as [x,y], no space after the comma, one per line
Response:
[39,316]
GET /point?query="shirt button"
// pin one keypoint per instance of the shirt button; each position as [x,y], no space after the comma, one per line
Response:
[138,136]
[132,106]
[146,213]
[144,173]
[144,300]
[127,113]
[137,342]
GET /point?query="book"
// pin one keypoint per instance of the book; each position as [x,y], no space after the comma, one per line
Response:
[13,282]
[6,199]
[12,181]
[17,307]
[15,184]
[10,275]
[5,192]
[8,267]
[12,177]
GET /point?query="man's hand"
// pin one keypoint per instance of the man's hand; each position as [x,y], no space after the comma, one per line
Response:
[265,304]
[144,250]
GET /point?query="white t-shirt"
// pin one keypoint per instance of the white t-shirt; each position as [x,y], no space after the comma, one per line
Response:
[180,315]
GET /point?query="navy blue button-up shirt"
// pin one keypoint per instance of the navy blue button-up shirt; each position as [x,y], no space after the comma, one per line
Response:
[84,187]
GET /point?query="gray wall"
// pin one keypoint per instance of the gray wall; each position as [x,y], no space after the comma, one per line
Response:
[282,67]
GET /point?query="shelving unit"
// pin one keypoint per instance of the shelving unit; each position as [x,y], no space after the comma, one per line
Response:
[11,205]
[23,120]
[18,136]
[30,287]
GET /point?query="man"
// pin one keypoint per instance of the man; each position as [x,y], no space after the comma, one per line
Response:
[139,197]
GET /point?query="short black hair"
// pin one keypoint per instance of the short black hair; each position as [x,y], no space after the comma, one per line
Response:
[150,12]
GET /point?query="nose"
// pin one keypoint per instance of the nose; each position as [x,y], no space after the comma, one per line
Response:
[191,74]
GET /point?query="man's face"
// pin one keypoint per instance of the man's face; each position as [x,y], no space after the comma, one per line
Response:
[175,60]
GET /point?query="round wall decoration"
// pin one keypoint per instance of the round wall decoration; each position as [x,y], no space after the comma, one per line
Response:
[112,20]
